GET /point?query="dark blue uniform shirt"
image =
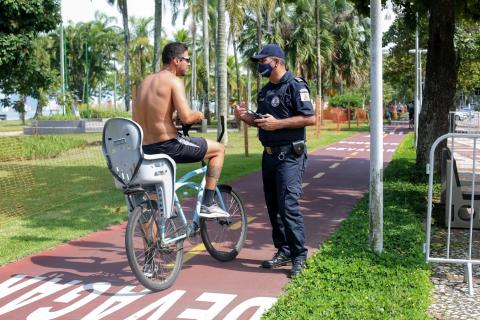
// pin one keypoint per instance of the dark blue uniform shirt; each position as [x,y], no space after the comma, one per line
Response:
[288,98]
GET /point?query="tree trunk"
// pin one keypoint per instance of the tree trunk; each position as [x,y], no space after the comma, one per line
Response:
[239,83]
[23,111]
[441,77]
[319,58]
[222,69]
[259,39]
[157,37]
[206,57]
[194,55]
[124,9]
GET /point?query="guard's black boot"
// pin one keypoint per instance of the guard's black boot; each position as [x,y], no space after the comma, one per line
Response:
[297,266]
[279,259]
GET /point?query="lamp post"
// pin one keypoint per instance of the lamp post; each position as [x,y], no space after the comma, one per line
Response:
[418,86]
[87,89]
[376,131]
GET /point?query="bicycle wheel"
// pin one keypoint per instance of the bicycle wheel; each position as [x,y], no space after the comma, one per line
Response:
[224,238]
[155,266]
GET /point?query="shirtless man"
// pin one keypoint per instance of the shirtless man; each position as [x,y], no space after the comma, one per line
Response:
[158,97]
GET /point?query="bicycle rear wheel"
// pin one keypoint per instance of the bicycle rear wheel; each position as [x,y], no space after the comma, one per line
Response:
[155,266]
[224,238]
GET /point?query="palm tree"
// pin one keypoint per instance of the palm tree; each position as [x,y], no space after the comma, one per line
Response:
[141,47]
[122,7]
[222,68]
[206,60]
[318,45]
[157,37]
[236,14]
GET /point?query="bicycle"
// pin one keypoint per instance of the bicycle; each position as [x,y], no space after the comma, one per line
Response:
[157,226]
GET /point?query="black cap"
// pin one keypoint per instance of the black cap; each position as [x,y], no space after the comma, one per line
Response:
[270,50]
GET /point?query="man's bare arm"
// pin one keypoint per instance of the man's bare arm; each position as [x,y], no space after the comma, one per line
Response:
[184,112]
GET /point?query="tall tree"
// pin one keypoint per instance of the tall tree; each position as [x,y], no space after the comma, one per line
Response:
[141,49]
[441,72]
[20,66]
[157,36]
[103,40]
[222,68]
[123,8]
[206,60]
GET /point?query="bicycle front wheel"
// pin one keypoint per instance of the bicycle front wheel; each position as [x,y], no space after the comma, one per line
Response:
[224,237]
[155,265]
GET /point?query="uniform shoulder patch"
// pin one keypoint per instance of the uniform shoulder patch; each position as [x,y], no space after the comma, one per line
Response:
[304,94]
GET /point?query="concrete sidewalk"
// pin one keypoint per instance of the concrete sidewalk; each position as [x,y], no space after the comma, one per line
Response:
[90,278]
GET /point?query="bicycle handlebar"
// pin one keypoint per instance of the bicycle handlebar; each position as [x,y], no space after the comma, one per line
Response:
[187,127]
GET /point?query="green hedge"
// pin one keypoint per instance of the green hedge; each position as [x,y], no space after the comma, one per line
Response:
[345,280]
[59,117]
[346,101]
[104,113]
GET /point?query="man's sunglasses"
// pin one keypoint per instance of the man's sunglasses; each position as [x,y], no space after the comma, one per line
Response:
[185,59]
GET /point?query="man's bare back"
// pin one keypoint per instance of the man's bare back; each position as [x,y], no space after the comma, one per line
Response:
[158,96]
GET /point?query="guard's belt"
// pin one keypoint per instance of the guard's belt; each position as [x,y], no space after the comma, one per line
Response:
[286,149]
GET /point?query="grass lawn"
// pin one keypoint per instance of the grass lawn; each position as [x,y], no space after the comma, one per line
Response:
[57,188]
[345,280]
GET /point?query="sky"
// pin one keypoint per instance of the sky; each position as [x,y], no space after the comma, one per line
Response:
[84,10]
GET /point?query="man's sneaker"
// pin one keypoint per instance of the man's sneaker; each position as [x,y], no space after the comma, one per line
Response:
[279,259]
[298,265]
[212,211]
[149,270]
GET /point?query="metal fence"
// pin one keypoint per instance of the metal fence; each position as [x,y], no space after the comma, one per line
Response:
[40,175]
[464,122]
[460,204]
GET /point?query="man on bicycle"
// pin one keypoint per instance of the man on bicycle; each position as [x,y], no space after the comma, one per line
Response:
[158,97]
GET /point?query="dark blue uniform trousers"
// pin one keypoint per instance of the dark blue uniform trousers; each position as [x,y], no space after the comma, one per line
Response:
[282,185]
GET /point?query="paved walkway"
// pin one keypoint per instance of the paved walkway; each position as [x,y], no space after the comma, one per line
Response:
[90,279]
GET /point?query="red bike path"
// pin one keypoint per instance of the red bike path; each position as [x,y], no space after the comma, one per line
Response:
[89,278]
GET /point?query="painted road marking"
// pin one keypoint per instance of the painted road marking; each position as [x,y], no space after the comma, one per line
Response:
[333,166]
[356,150]
[81,294]
[318,175]
[346,158]
[199,248]
[305,184]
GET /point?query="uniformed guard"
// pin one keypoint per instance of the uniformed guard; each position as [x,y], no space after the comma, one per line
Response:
[284,110]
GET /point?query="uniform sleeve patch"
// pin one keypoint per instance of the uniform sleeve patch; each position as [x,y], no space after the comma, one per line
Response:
[304,95]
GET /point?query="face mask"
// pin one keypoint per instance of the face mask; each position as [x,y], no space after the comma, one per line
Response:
[265,70]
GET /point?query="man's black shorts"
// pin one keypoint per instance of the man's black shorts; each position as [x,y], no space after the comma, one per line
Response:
[180,149]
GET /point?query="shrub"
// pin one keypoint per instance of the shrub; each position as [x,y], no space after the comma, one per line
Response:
[346,101]
[104,113]
[59,117]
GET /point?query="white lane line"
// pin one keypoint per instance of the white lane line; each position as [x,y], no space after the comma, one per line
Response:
[354,153]
[346,158]
[305,184]
[336,164]
[318,175]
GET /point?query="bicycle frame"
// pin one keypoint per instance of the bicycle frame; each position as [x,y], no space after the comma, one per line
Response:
[184,181]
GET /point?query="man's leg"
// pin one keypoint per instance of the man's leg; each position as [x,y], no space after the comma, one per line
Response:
[215,156]
[270,189]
